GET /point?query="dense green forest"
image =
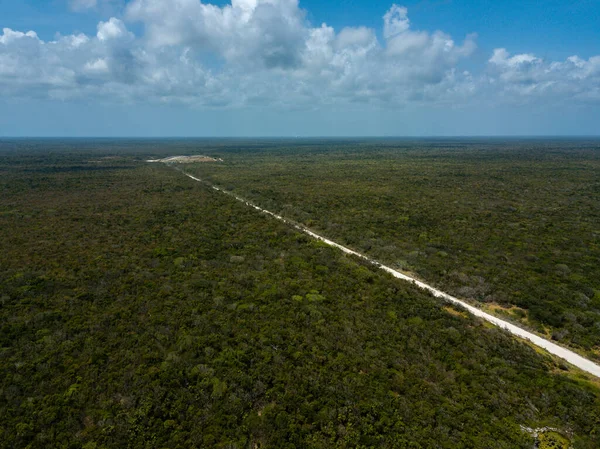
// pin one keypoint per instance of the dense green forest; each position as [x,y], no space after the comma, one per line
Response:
[141,309]
[513,225]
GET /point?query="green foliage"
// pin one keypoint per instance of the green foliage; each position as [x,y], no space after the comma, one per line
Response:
[140,309]
[508,223]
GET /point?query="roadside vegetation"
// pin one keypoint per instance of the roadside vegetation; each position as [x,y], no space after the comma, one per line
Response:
[510,225]
[141,309]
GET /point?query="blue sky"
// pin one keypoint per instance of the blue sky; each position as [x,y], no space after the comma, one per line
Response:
[313,68]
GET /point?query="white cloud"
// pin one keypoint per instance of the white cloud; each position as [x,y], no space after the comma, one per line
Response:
[77,40]
[9,36]
[503,59]
[99,65]
[114,29]
[249,32]
[395,21]
[525,77]
[355,37]
[265,52]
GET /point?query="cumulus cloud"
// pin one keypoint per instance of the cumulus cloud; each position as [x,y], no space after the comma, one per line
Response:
[248,32]
[9,36]
[503,59]
[33,67]
[266,52]
[113,29]
[99,65]
[524,77]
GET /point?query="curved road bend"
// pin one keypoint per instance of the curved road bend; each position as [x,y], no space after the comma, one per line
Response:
[575,359]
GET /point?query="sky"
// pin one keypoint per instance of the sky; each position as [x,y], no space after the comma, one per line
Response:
[152,68]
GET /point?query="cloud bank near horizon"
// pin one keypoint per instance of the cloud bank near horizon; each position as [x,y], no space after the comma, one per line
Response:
[266,53]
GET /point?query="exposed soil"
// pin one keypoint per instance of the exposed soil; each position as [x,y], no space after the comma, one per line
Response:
[186,159]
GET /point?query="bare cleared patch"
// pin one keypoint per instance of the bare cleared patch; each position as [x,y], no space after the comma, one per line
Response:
[549,438]
[186,159]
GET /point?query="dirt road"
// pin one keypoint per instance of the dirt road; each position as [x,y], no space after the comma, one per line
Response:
[565,354]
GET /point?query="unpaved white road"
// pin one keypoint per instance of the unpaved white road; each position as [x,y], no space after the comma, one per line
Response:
[565,354]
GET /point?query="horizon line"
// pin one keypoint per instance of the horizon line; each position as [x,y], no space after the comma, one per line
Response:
[290,137]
